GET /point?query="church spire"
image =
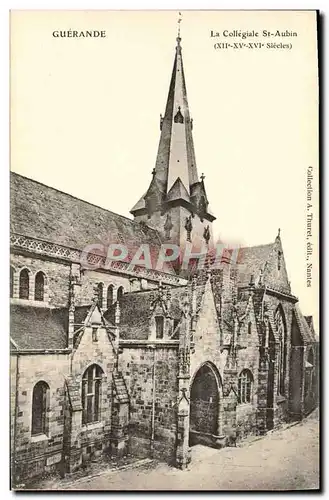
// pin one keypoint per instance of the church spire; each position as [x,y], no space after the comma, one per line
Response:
[176,158]
[175,181]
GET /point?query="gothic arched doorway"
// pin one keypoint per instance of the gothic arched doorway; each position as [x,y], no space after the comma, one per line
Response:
[205,406]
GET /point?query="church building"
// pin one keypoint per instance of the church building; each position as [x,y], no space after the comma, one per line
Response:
[146,360]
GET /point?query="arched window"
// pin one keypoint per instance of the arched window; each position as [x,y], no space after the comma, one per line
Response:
[40,408]
[109,299]
[100,287]
[24,284]
[91,394]
[12,273]
[120,293]
[282,353]
[245,386]
[39,289]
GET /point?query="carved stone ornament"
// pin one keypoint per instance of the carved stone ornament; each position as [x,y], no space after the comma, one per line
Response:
[188,227]
[168,226]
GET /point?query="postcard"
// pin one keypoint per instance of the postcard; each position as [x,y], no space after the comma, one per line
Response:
[164,250]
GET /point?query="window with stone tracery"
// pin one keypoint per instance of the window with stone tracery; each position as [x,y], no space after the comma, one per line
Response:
[245,386]
[282,351]
[91,394]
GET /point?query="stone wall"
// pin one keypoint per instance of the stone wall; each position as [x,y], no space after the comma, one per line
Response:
[91,278]
[178,234]
[94,438]
[57,275]
[281,401]
[151,378]
[207,338]
[34,455]
[248,359]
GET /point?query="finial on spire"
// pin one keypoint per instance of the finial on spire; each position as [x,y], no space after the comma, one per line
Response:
[178,30]
[202,177]
[153,172]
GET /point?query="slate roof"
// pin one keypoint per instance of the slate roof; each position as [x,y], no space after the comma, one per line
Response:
[167,168]
[80,315]
[120,388]
[251,260]
[42,212]
[136,311]
[309,321]
[38,327]
[306,333]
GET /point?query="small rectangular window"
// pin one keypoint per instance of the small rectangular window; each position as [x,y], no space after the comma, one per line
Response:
[159,322]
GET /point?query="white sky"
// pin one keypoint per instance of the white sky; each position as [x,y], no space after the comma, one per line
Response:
[85,116]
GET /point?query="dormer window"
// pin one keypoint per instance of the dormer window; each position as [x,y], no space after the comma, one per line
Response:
[159,324]
[178,118]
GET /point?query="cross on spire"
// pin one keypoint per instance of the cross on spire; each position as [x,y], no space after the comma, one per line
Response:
[178,29]
[202,177]
[175,180]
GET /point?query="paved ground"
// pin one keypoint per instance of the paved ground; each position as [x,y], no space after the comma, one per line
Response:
[287,459]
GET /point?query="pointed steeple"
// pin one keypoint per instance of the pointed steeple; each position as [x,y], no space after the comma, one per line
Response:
[175,181]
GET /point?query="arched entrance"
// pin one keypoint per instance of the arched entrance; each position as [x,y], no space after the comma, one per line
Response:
[205,406]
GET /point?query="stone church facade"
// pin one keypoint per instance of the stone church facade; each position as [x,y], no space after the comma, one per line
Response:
[129,359]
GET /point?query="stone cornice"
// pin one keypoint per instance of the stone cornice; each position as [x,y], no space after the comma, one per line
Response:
[281,294]
[53,250]
[29,352]
[269,290]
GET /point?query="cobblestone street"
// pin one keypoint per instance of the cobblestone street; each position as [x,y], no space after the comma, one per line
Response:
[287,459]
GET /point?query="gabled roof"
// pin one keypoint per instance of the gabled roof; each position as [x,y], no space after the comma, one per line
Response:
[38,328]
[42,212]
[178,191]
[140,204]
[89,316]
